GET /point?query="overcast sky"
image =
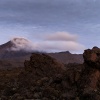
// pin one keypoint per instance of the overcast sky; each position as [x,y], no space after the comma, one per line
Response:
[58,25]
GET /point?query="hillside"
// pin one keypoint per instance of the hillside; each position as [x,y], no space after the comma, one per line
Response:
[17,50]
[67,57]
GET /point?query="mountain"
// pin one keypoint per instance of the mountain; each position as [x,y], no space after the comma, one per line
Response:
[17,50]
[14,48]
[15,44]
[66,57]
[13,53]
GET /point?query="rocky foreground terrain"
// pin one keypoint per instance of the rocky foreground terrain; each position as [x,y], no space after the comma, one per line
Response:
[43,78]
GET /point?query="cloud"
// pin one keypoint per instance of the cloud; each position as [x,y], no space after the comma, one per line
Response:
[20,43]
[46,11]
[60,41]
[21,17]
[61,36]
[56,46]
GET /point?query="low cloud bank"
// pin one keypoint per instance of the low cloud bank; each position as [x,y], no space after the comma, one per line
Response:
[61,36]
[60,41]
[60,46]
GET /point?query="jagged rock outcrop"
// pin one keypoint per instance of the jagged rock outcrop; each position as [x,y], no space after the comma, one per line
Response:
[89,83]
[92,57]
[47,77]
[43,64]
[42,78]
[44,75]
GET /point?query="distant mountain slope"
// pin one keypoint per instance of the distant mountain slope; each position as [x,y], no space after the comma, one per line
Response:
[15,48]
[14,52]
[67,57]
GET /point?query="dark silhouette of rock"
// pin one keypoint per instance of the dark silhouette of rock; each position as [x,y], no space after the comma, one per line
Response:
[44,64]
[48,77]
[92,57]
[90,77]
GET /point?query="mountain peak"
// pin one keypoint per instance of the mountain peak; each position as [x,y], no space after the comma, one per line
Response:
[21,44]
[19,40]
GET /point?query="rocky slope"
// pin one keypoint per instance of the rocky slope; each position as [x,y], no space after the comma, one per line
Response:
[49,79]
[89,83]
[43,78]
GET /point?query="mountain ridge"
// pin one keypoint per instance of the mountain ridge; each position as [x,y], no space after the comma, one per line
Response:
[10,53]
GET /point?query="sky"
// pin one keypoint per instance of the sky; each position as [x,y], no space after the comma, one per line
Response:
[52,25]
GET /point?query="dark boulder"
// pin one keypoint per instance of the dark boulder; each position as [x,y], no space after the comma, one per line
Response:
[89,83]
[92,57]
